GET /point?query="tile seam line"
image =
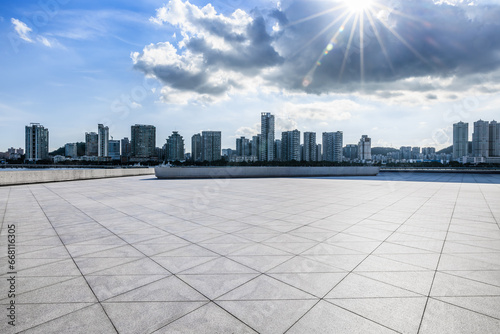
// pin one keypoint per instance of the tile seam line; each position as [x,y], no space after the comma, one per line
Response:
[440,255]
[351,271]
[83,276]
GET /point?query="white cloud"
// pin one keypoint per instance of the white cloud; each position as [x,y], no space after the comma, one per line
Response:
[44,41]
[335,110]
[135,105]
[248,132]
[22,29]
[218,56]
[24,33]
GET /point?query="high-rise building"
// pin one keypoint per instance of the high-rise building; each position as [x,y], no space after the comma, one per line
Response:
[365,148]
[126,147]
[174,149]
[36,142]
[114,149]
[242,147]
[70,150]
[460,140]
[405,152]
[415,152]
[267,137]
[143,141]
[277,150]
[351,152]
[319,155]
[310,147]
[494,142]
[480,139]
[332,146]
[211,145]
[102,140]
[196,147]
[227,153]
[91,144]
[290,145]
[429,153]
[255,145]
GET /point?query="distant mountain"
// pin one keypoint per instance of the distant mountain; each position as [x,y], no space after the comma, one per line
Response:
[59,151]
[383,150]
[448,150]
[80,149]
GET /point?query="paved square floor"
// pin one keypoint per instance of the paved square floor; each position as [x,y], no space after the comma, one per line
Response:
[405,253]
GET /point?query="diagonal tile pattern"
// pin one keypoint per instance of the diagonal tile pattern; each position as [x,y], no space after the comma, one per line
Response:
[396,253]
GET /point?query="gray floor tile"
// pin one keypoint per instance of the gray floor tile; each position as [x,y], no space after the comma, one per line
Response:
[487,305]
[442,317]
[446,285]
[491,277]
[177,264]
[317,284]
[416,281]
[216,285]
[77,322]
[261,263]
[400,314]
[143,266]
[169,289]
[268,316]
[146,317]
[33,315]
[109,286]
[301,264]
[265,288]
[328,318]
[356,286]
[220,266]
[209,318]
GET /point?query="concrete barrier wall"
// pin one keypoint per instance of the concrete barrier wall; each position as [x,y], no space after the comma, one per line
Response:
[256,172]
[28,176]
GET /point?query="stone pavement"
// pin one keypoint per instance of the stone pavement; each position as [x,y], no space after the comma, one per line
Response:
[406,253]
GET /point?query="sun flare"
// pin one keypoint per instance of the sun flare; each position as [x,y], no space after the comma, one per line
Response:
[357,6]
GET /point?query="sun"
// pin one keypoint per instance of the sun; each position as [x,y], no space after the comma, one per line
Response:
[358,6]
[353,18]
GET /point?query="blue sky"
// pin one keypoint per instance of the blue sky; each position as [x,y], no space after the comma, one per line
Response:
[418,67]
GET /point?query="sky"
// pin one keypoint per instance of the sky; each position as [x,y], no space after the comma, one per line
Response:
[401,72]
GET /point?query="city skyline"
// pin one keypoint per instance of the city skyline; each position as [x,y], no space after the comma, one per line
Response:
[71,65]
[332,142]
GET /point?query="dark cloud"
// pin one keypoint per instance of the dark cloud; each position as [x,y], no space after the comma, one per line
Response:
[249,55]
[439,41]
[428,41]
[431,97]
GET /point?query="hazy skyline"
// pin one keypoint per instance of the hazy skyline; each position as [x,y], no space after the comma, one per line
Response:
[417,68]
